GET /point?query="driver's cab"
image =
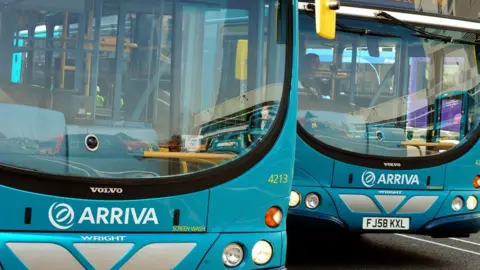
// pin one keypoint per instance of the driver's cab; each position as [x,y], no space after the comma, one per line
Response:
[344,84]
[351,68]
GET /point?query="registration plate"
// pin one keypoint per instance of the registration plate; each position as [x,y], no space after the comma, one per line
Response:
[379,223]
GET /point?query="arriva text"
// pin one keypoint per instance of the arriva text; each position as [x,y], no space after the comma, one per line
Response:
[62,216]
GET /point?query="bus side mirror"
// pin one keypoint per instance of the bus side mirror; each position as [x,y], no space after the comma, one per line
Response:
[326,17]
[241,65]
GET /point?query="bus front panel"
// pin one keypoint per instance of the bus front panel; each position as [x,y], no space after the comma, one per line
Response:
[387,120]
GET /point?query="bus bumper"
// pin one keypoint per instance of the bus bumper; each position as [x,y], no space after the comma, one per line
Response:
[459,226]
[428,212]
[202,251]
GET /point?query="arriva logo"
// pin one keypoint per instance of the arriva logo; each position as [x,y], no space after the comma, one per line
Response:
[62,216]
[369,179]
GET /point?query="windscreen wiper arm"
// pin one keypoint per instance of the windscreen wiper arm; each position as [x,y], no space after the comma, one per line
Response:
[362,31]
[424,34]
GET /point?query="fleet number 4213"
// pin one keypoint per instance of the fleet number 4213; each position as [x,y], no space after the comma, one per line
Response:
[278,179]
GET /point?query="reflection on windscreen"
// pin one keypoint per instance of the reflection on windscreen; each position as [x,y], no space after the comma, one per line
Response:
[399,96]
[136,89]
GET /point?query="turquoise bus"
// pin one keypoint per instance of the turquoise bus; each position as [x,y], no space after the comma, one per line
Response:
[102,102]
[387,130]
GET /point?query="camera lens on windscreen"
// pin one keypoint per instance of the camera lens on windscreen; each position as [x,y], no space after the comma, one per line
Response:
[91,142]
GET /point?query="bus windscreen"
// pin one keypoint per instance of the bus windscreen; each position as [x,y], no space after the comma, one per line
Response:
[135,89]
[378,94]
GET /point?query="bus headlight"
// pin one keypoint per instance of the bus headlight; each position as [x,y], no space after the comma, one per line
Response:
[294,199]
[457,204]
[262,252]
[472,203]
[232,255]
[312,201]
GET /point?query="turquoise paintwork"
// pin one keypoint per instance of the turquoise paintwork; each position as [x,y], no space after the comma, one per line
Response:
[231,212]
[277,240]
[203,241]
[329,178]
[343,170]
[446,209]
[326,206]
[279,160]
[302,178]
[319,168]
[446,182]
[196,205]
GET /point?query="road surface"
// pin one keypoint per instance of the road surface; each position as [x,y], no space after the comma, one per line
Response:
[381,251]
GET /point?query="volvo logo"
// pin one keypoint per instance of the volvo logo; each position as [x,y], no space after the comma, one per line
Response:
[368,179]
[61,215]
[391,164]
[106,190]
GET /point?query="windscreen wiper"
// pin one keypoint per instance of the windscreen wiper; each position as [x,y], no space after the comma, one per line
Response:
[362,31]
[424,34]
